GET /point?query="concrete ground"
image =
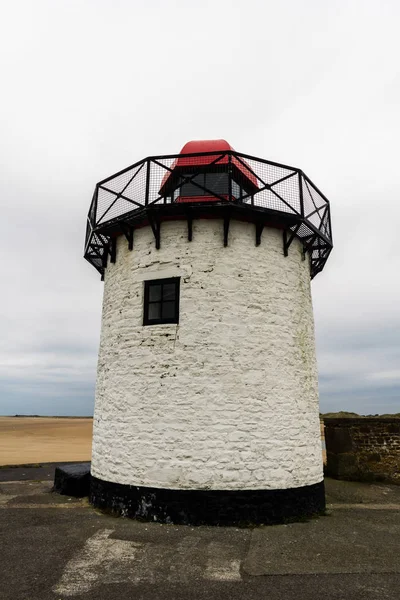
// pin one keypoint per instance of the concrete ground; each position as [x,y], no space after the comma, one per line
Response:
[55,547]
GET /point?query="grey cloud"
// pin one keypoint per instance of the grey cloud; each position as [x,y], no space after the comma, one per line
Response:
[92,87]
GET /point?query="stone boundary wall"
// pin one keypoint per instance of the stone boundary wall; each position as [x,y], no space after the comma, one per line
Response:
[363,449]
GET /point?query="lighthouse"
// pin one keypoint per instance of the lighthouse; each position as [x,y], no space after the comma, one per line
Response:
[206,408]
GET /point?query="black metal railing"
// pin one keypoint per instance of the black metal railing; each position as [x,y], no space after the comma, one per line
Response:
[243,180]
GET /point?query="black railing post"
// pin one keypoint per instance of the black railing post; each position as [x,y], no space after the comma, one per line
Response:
[146,201]
[301,195]
[95,199]
[230,177]
[113,250]
[330,224]
[285,244]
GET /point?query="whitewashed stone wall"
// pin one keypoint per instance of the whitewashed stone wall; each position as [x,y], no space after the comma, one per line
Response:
[227,399]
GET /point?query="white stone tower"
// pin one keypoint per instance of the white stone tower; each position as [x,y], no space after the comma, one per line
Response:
[206,404]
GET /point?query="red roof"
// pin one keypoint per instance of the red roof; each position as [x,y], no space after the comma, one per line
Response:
[218,146]
[203,146]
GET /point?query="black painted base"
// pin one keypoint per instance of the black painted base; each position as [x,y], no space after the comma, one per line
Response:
[209,507]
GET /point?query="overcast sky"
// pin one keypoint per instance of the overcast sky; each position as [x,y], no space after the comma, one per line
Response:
[91,86]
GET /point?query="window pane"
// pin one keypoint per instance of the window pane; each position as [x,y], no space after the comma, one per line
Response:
[155,310]
[235,190]
[169,291]
[217,182]
[168,310]
[155,293]
[189,189]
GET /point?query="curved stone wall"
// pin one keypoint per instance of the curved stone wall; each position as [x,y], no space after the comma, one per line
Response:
[227,399]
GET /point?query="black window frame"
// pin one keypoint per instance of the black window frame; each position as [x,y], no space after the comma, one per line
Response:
[146,305]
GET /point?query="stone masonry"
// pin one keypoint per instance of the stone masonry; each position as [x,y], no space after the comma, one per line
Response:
[227,399]
[363,449]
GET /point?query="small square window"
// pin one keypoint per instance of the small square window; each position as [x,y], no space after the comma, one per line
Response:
[161,301]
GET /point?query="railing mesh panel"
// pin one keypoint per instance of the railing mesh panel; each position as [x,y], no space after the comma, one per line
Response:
[157,175]
[104,202]
[266,173]
[120,182]
[267,199]
[253,181]
[288,189]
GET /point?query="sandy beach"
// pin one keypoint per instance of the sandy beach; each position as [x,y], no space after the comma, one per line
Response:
[26,440]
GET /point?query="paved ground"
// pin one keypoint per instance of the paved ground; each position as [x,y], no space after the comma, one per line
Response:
[55,547]
[39,472]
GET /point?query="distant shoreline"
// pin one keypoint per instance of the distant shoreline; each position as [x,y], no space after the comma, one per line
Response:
[351,415]
[322,416]
[46,417]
